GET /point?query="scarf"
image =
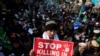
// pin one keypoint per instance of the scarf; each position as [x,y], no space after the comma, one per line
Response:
[45,36]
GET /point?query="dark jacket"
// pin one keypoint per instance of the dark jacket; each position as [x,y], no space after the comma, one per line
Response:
[77,52]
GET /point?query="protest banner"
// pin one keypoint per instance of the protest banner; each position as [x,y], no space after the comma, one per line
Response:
[44,47]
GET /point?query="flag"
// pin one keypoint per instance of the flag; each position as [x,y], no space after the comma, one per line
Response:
[4,40]
[85,18]
[98,39]
[76,25]
[82,9]
[95,2]
[80,12]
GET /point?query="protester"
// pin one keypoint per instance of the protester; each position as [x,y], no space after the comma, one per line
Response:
[49,33]
[80,50]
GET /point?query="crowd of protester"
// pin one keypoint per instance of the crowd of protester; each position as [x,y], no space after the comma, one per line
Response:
[22,25]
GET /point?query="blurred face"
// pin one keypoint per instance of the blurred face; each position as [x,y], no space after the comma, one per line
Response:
[61,27]
[65,38]
[81,48]
[51,33]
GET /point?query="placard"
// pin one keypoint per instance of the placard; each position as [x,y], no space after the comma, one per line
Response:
[44,47]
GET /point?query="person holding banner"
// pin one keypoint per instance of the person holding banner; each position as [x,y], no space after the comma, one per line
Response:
[49,33]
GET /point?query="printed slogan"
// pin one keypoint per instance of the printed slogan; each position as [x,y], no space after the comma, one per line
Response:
[43,47]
